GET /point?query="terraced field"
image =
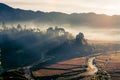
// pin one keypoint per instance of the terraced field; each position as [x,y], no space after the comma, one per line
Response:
[109,61]
[62,69]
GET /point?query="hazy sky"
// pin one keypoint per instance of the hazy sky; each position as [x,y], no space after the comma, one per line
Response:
[110,7]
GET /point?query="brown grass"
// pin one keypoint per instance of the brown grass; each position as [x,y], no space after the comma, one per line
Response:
[68,64]
[112,66]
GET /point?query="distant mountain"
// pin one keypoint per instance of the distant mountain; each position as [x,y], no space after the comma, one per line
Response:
[5,7]
[9,14]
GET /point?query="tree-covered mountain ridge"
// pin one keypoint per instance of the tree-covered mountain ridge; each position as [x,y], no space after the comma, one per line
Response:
[9,14]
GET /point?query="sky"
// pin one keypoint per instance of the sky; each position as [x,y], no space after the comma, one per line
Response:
[109,7]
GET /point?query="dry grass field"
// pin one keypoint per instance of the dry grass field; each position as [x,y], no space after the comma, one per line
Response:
[113,67]
[110,60]
[61,67]
[112,64]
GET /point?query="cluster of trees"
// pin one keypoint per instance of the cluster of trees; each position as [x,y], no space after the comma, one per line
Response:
[22,46]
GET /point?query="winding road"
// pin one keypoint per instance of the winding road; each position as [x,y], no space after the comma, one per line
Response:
[92,69]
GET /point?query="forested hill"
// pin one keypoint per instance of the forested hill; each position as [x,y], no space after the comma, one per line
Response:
[9,14]
[21,47]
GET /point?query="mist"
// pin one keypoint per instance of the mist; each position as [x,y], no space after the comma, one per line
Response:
[91,33]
